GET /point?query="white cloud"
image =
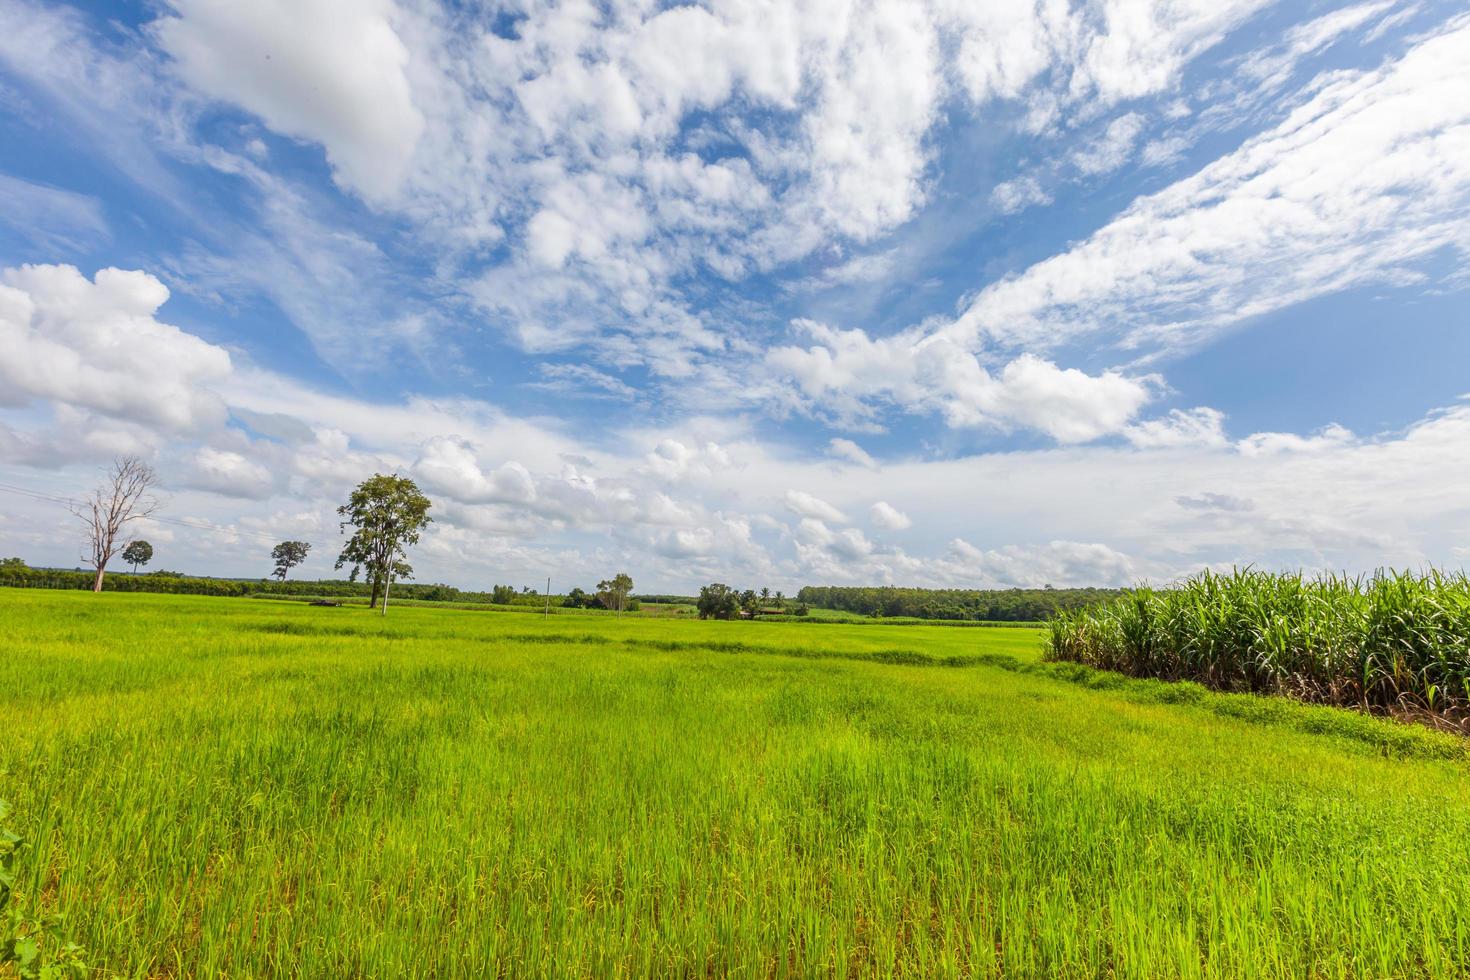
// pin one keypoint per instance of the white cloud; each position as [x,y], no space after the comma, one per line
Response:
[852,452]
[1018,194]
[1165,150]
[1271,443]
[851,544]
[95,344]
[331,71]
[806,505]
[673,460]
[53,218]
[846,371]
[1367,177]
[229,474]
[888,517]
[1112,148]
[535,498]
[584,381]
[1104,52]
[1273,66]
[1060,563]
[567,185]
[1181,427]
[449,465]
[1066,404]
[611,151]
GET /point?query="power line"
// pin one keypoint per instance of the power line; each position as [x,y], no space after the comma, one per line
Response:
[196,525]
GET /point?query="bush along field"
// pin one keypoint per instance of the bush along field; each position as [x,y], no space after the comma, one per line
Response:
[1395,642]
[218,787]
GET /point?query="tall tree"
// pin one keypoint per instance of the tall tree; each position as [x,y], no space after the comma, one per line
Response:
[387,513]
[614,592]
[717,601]
[138,553]
[123,497]
[287,555]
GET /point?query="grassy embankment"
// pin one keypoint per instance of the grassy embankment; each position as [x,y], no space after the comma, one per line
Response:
[222,787]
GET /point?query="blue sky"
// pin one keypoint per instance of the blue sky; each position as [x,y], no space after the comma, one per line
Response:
[933,293]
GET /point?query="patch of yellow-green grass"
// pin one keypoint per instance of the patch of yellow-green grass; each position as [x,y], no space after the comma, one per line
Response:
[244,788]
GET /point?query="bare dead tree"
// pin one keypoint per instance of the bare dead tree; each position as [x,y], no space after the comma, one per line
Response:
[122,498]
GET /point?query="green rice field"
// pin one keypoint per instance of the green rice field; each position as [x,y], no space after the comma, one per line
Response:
[247,788]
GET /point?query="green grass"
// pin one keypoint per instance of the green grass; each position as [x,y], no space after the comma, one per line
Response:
[221,787]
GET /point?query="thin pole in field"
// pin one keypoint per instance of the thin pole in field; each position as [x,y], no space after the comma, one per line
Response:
[547,613]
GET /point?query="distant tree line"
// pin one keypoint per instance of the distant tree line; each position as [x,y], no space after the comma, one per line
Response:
[15,573]
[997,605]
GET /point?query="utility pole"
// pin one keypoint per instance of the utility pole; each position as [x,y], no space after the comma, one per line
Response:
[547,613]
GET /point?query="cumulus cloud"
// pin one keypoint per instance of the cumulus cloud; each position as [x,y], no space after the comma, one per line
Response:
[888,517]
[330,71]
[852,452]
[1079,516]
[1362,181]
[846,371]
[96,344]
[229,474]
[1104,52]
[450,466]
[1018,194]
[674,460]
[1062,563]
[569,139]
[806,505]
[1272,443]
[599,184]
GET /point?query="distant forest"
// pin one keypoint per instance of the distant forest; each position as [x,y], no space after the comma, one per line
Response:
[15,574]
[999,605]
[995,605]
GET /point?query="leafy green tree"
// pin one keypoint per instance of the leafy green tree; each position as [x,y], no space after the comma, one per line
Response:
[750,603]
[613,592]
[717,601]
[387,513]
[13,564]
[577,599]
[137,554]
[503,595]
[287,555]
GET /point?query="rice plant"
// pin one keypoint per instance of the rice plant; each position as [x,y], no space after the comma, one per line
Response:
[223,787]
[1393,641]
